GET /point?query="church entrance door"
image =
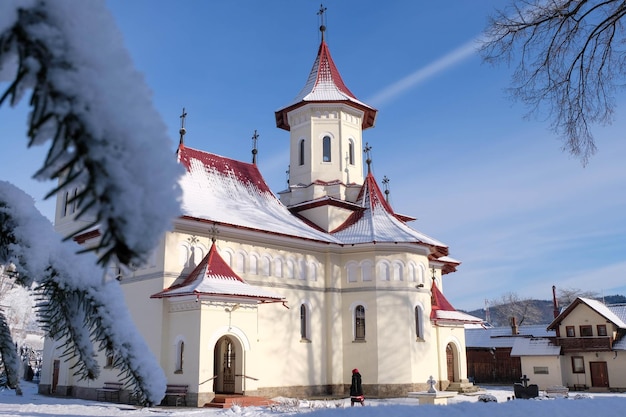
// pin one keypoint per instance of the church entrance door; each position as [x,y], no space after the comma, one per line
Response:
[227,359]
[451,362]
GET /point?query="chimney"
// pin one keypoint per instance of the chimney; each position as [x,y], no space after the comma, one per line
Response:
[555,303]
[514,327]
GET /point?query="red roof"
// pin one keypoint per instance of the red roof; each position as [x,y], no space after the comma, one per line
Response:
[443,311]
[214,277]
[325,85]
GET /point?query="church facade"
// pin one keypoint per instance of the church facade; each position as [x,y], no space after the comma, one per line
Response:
[283,296]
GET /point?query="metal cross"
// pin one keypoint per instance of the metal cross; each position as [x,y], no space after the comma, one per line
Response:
[386,185]
[320,13]
[255,139]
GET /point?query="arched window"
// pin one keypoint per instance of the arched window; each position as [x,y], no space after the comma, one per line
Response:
[419,331]
[180,353]
[301,152]
[326,149]
[366,270]
[350,151]
[359,323]
[304,323]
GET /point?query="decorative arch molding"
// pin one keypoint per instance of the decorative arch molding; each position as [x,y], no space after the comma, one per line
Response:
[190,253]
[229,331]
[383,269]
[411,272]
[367,270]
[290,268]
[253,263]
[352,271]
[240,261]
[313,268]
[265,265]
[397,270]
[421,273]
[279,267]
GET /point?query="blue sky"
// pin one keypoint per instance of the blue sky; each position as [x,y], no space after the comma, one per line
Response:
[518,212]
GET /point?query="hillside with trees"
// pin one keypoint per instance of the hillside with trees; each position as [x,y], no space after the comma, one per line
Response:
[532,311]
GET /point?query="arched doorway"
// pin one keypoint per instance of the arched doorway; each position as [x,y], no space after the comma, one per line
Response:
[228,365]
[451,363]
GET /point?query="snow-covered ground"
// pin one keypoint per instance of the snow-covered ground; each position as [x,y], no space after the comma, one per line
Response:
[34,405]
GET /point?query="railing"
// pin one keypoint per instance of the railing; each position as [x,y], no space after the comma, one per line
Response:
[584,344]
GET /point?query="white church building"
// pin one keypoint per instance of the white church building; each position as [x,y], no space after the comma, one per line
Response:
[255,294]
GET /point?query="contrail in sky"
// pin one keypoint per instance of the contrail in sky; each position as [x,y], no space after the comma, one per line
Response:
[391,92]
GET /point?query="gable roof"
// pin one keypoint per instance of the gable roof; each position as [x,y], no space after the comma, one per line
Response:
[325,85]
[213,277]
[442,311]
[227,191]
[377,222]
[608,312]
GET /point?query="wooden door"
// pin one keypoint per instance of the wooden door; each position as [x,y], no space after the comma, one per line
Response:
[599,374]
[450,362]
[229,367]
[56,365]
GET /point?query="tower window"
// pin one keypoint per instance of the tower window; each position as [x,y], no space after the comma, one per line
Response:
[326,149]
[350,151]
[301,152]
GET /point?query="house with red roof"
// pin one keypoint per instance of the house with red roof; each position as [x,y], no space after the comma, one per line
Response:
[261,294]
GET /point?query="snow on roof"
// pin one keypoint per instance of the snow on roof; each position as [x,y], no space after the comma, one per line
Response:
[443,312]
[378,223]
[213,277]
[323,85]
[605,311]
[501,337]
[530,346]
[227,191]
[615,314]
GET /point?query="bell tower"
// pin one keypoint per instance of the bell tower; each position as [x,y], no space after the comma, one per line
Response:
[326,122]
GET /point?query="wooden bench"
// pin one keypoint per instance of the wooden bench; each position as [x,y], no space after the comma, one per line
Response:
[178,392]
[109,392]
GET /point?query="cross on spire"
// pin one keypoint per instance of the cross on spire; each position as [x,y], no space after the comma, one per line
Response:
[367,150]
[386,185]
[255,139]
[320,13]
[182,130]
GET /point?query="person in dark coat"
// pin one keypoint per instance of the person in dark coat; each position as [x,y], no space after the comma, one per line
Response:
[356,389]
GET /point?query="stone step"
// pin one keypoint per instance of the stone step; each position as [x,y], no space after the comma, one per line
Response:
[227,401]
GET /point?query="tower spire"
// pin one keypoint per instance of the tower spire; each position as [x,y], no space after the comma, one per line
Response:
[320,13]
[255,139]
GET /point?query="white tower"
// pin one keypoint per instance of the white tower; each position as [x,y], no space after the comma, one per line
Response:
[325,122]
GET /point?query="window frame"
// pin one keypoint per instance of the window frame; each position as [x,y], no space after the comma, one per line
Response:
[359,323]
[578,365]
[586,330]
[301,153]
[601,329]
[304,323]
[326,149]
[570,331]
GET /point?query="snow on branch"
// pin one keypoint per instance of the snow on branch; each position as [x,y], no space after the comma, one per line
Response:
[77,303]
[107,140]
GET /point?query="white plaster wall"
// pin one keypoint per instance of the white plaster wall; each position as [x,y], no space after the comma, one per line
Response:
[543,381]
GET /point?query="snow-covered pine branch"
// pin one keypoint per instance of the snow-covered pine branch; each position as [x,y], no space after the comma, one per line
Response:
[76,304]
[107,139]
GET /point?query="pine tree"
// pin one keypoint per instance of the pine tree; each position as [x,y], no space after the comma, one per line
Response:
[75,96]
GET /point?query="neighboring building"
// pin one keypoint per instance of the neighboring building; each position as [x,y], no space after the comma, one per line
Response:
[363,289]
[540,361]
[593,347]
[489,352]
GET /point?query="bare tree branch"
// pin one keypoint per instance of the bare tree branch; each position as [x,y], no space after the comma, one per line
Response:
[570,62]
